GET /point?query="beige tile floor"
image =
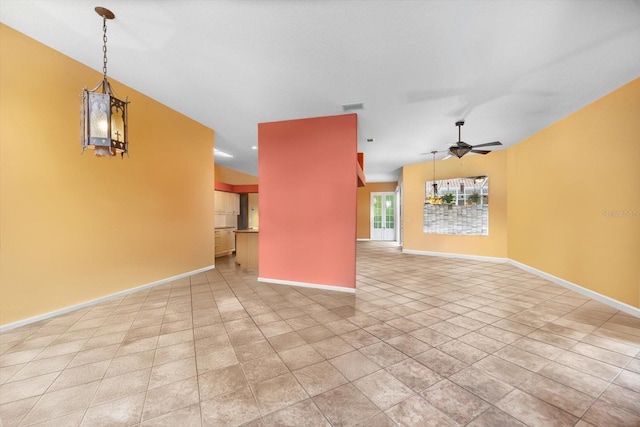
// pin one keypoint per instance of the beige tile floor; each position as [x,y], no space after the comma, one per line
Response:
[424,342]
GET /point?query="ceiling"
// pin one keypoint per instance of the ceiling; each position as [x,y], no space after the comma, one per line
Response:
[509,68]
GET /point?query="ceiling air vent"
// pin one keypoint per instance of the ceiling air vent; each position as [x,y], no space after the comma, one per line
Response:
[353,107]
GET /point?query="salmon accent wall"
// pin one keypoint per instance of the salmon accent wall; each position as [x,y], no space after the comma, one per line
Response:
[364,205]
[574,197]
[307,198]
[75,227]
[414,177]
[221,186]
[245,189]
[362,180]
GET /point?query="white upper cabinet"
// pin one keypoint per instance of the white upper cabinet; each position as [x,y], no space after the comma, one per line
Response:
[226,203]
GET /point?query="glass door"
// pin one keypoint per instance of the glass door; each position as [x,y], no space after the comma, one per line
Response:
[383,216]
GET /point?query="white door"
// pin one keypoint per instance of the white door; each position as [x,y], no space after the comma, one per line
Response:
[383,216]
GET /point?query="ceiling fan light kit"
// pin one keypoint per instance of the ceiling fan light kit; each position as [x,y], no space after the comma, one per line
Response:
[459,151]
[461,148]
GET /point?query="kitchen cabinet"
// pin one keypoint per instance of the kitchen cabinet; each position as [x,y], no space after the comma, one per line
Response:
[235,204]
[220,243]
[226,203]
[225,241]
[217,202]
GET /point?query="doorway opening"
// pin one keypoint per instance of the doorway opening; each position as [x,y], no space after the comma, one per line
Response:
[383,216]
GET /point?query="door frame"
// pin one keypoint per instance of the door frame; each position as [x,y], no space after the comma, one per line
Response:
[395,217]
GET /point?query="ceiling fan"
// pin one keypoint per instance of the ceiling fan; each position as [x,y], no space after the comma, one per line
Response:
[461,148]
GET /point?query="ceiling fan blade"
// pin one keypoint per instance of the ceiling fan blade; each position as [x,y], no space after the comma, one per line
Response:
[481,151]
[488,144]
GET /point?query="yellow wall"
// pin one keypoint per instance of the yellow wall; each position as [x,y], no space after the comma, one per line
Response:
[363,230]
[574,197]
[76,227]
[414,176]
[234,177]
[254,211]
[572,193]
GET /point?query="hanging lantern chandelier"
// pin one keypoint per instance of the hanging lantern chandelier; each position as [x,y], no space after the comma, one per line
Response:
[103,120]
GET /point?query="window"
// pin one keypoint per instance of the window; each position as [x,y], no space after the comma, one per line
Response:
[457,206]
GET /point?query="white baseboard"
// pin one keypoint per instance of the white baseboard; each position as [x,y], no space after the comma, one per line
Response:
[564,283]
[307,285]
[449,255]
[618,305]
[64,310]
[579,289]
[383,241]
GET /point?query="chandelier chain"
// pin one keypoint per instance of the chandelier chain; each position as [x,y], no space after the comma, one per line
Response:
[104,47]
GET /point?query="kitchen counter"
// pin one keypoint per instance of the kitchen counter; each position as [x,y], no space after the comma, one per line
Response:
[247,248]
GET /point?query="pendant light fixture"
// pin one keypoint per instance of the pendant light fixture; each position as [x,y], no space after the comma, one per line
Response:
[103,119]
[434,184]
